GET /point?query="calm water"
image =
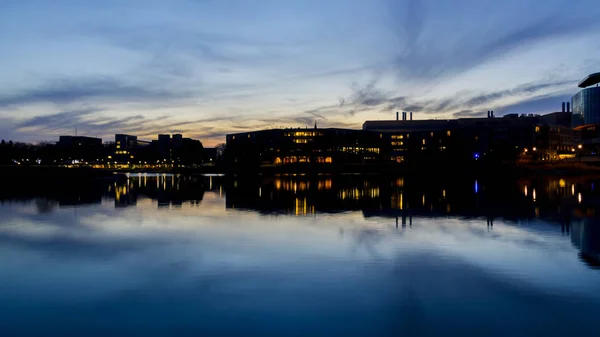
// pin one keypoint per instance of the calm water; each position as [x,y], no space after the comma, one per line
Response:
[162,255]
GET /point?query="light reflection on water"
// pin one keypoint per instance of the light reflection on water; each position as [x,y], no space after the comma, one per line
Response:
[157,255]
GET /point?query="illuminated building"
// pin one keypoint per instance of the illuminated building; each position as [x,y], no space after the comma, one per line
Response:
[512,137]
[586,115]
[453,140]
[280,147]
[125,147]
[586,103]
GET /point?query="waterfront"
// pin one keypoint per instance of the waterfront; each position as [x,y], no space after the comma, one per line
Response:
[157,255]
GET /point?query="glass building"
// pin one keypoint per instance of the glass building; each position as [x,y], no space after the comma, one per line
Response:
[586,103]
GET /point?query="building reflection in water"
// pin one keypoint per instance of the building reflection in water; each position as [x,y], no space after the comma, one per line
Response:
[570,203]
[168,190]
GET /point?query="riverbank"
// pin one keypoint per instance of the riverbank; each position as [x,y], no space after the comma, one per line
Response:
[42,173]
[33,173]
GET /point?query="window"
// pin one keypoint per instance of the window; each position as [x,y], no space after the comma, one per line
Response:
[448,133]
[537,129]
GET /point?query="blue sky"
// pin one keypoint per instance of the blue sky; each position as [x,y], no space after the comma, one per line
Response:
[205,68]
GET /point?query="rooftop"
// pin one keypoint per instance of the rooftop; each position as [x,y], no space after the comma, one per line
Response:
[590,80]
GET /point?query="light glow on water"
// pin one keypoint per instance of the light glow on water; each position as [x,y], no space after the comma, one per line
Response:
[164,255]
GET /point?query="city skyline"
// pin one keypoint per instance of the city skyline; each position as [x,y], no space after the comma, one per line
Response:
[206,69]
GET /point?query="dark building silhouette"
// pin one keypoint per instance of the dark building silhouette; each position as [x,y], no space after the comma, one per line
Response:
[512,137]
[175,150]
[303,146]
[163,147]
[75,149]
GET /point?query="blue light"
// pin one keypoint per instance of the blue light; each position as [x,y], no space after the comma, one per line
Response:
[476,187]
[476,155]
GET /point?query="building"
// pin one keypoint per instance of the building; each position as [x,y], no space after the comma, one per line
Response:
[163,147]
[464,139]
[586,103]
[80,149]
[303,146]
[511,137]
[125,148]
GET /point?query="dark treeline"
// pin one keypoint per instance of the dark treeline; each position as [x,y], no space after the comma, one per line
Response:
[12,153]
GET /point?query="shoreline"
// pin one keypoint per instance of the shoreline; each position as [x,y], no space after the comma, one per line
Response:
[428,169]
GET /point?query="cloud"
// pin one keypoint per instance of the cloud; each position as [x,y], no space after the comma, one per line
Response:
[430,50]
[529,89]
[105,89]
[469,114]
[57,120]
[369,96]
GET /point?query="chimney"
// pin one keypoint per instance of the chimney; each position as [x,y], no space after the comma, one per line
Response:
[403,115]
[411,115]
[563,107]
[568,106]
[492,113]
[489,114]
[397,115]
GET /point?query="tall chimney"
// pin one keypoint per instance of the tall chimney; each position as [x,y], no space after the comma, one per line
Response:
[403,115]
[411,115]
[397,115]
[492,113]
[563,107]
[489,114]
[568,106]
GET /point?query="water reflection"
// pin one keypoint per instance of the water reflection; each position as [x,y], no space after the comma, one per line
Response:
[572,203]
[384,256]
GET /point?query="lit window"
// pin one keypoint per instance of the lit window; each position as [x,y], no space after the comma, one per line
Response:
[448,133]
[423,141]
[537,129]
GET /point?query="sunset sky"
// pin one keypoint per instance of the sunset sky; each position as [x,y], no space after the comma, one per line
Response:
[206,68]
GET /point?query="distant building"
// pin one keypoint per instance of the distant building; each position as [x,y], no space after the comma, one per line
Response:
[464,139]
[163,147]
[75,149]
[125,148]
[175,150]
[303,146]
[586,103]
[511,137]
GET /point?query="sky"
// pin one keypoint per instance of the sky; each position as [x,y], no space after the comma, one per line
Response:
[206,68]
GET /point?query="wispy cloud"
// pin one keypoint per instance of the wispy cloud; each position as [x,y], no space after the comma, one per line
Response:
[103,89]
[428,52]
